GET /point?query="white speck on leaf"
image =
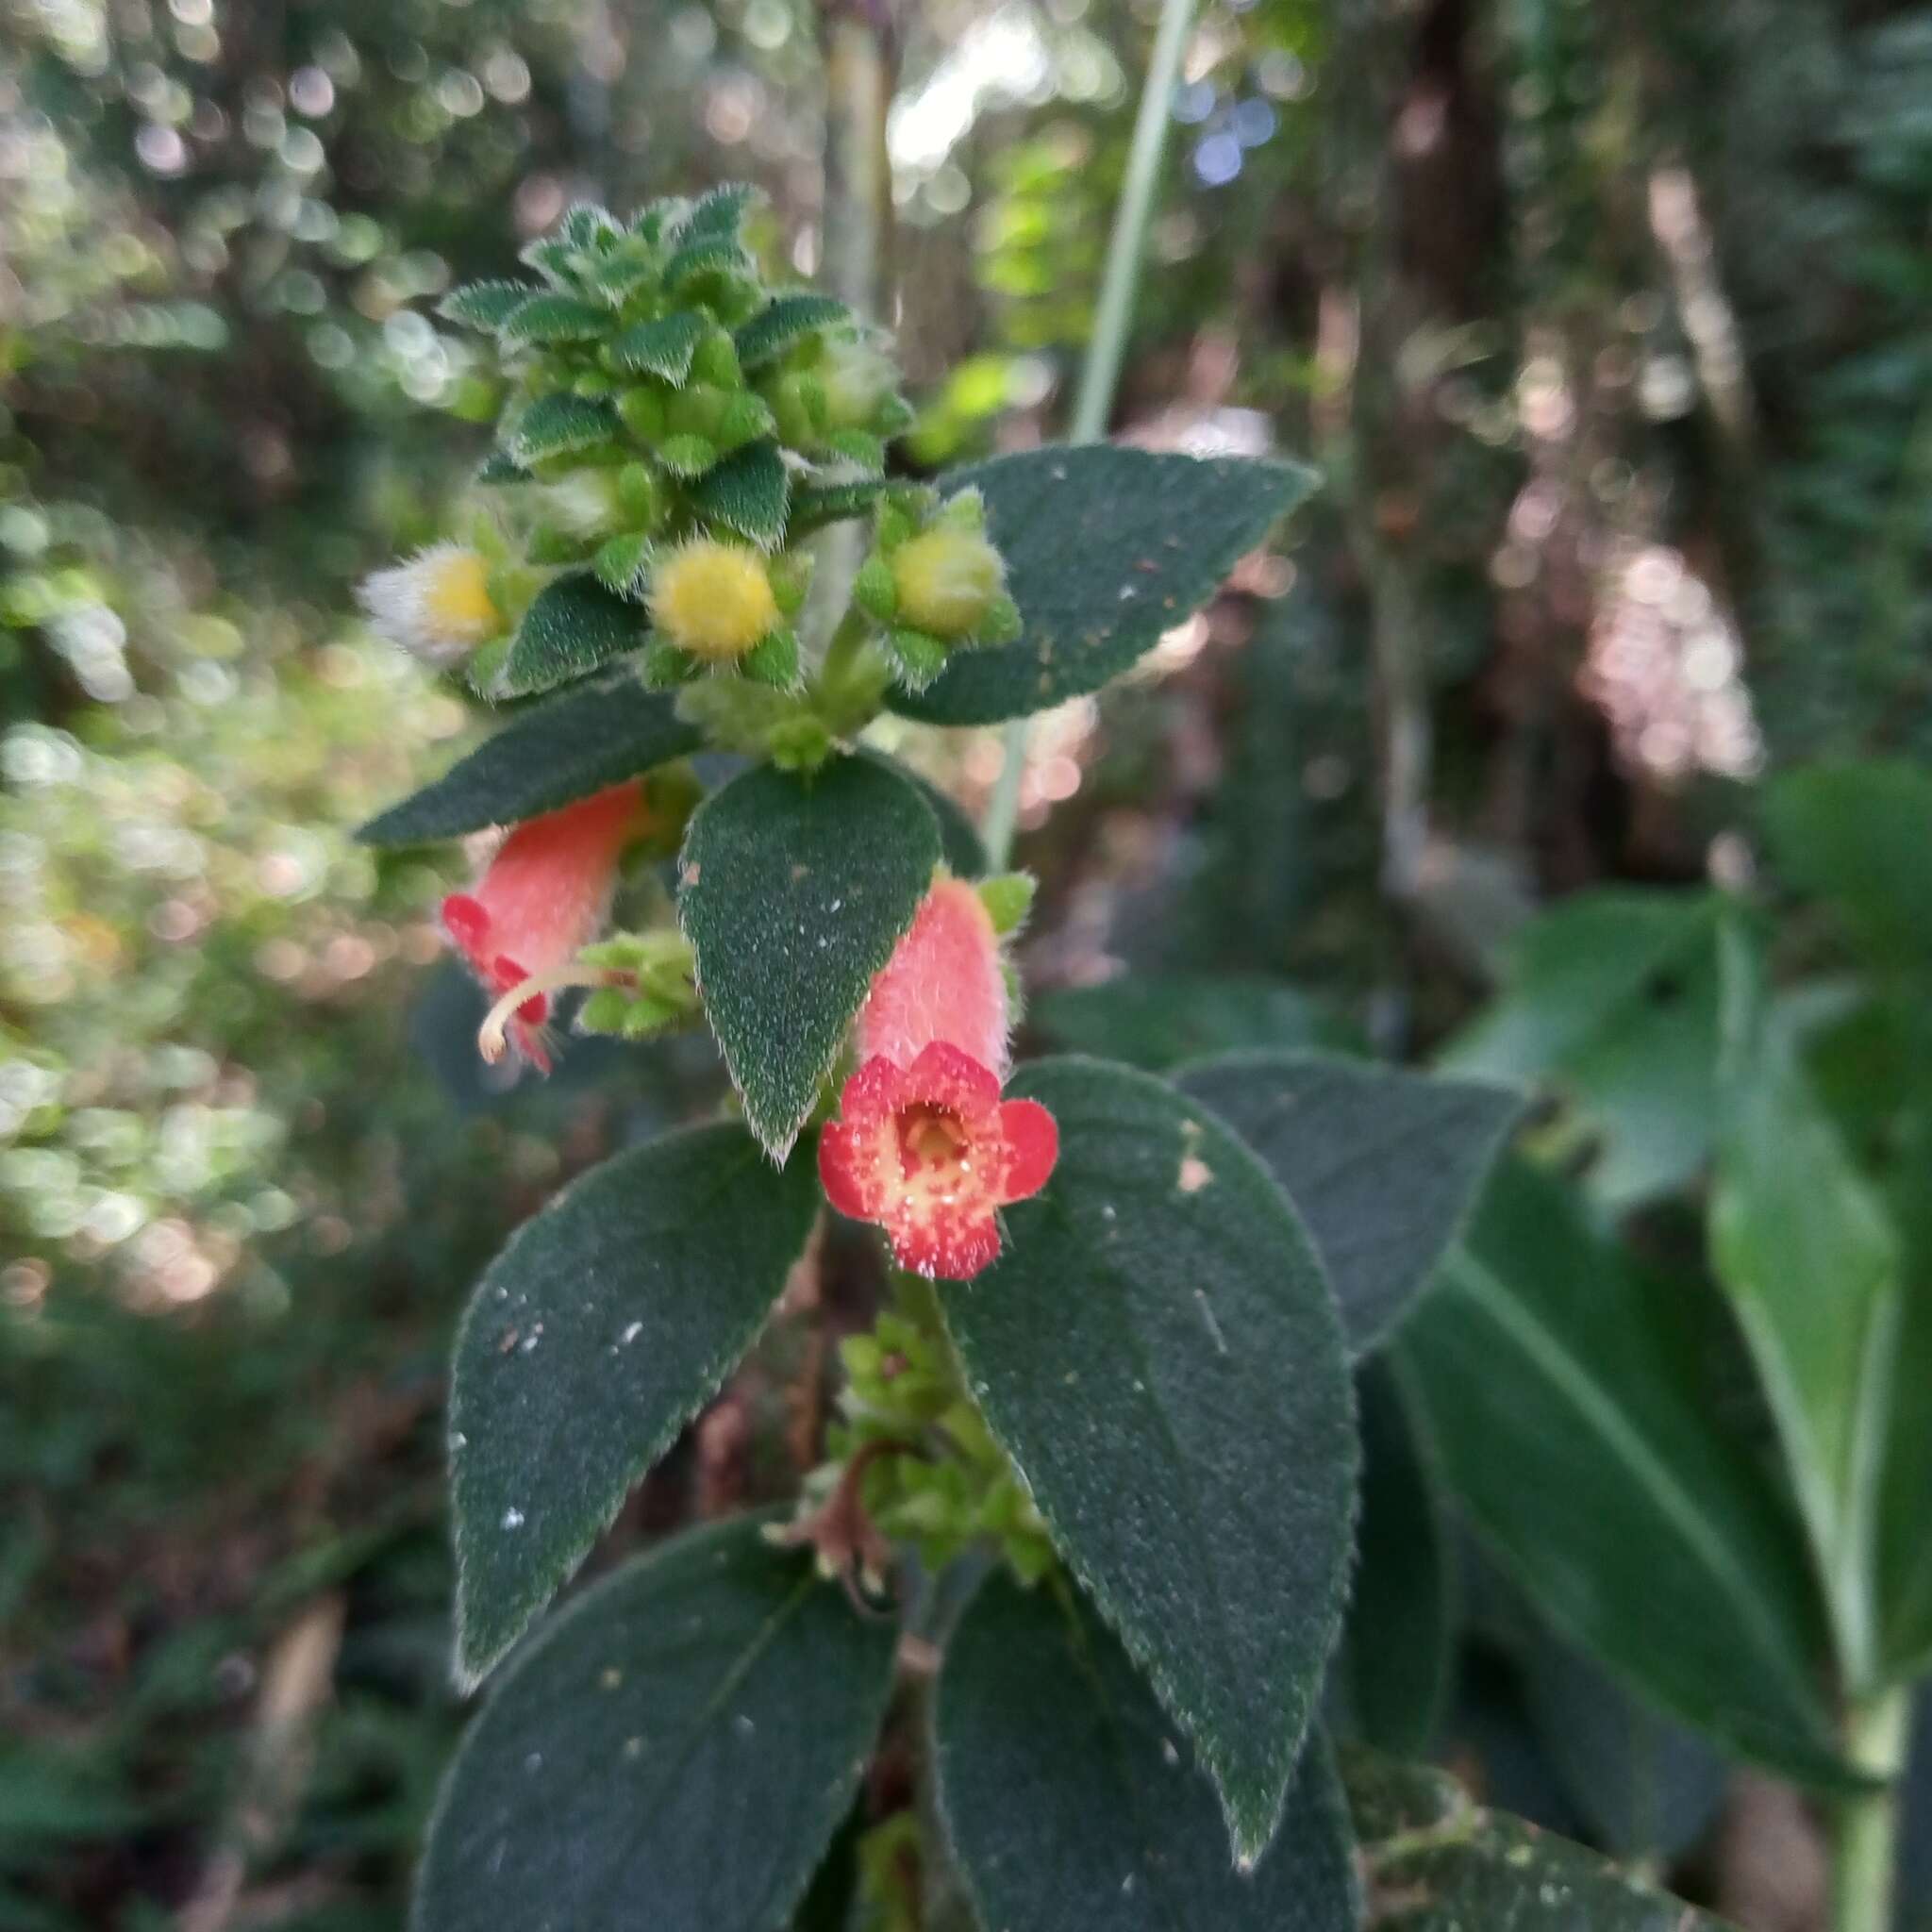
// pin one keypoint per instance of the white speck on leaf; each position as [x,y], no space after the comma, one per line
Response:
[1208,1317]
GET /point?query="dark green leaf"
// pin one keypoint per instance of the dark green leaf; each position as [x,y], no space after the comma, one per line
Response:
[674,1749]
[719,211]
[1803,1246]
[831,1900]
[552,256]
[1854,835]
[484,305]
[554,318]
[593,1337]
[782,320]
[560,424]
[964,855]
[499,466]
[1611,997]
[794,890]
[583,222]
[1106,549]
[1392,1675]
[1436,1862]
[663,347]
[616,272]
[1383,1166]
[1647,1788]
[1073,1807]
[706,254]
[1160,1286]
[747,492]
[547,756]
[1157,1020]
[573,626]
[1566,1398]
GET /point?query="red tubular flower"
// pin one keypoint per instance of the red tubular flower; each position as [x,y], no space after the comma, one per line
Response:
[944,981]
[931,1153]
[541,898]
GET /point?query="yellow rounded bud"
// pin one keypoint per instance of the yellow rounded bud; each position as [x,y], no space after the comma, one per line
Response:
[947,580]
[713,599]
[437,606]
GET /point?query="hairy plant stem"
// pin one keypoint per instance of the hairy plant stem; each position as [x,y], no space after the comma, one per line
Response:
[1864,1835]
[1107,347]
[852,680]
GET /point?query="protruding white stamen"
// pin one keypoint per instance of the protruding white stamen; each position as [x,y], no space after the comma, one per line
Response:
[493,1037]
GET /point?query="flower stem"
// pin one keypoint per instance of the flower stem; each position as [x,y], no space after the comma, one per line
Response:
[1107,347]
[1864,1836]
[852,680]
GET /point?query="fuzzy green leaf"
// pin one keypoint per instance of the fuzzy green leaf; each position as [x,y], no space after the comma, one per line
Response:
[620,563]
[1437,1861]
[706,254]
[1541,1350]
[557,425]
[1106,549]
[784,320]
[1161,1285]
[573,626]
[747,492]
[544,757]
[594,1337]
[552,258]
[615,275]
[719,211]
[583,222]
[663,347]
[1382,1165]
[1073,1807]
[793,888]
[499,466]
[484,305]
[554,318]
[688,456]
[675,1749]
[960,846]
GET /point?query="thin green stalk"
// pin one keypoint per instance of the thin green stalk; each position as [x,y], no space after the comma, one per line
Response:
[1113,314]
[1864,1837]
[859,43]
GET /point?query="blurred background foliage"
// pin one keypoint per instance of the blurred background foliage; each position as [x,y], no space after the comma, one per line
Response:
[1607,322]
